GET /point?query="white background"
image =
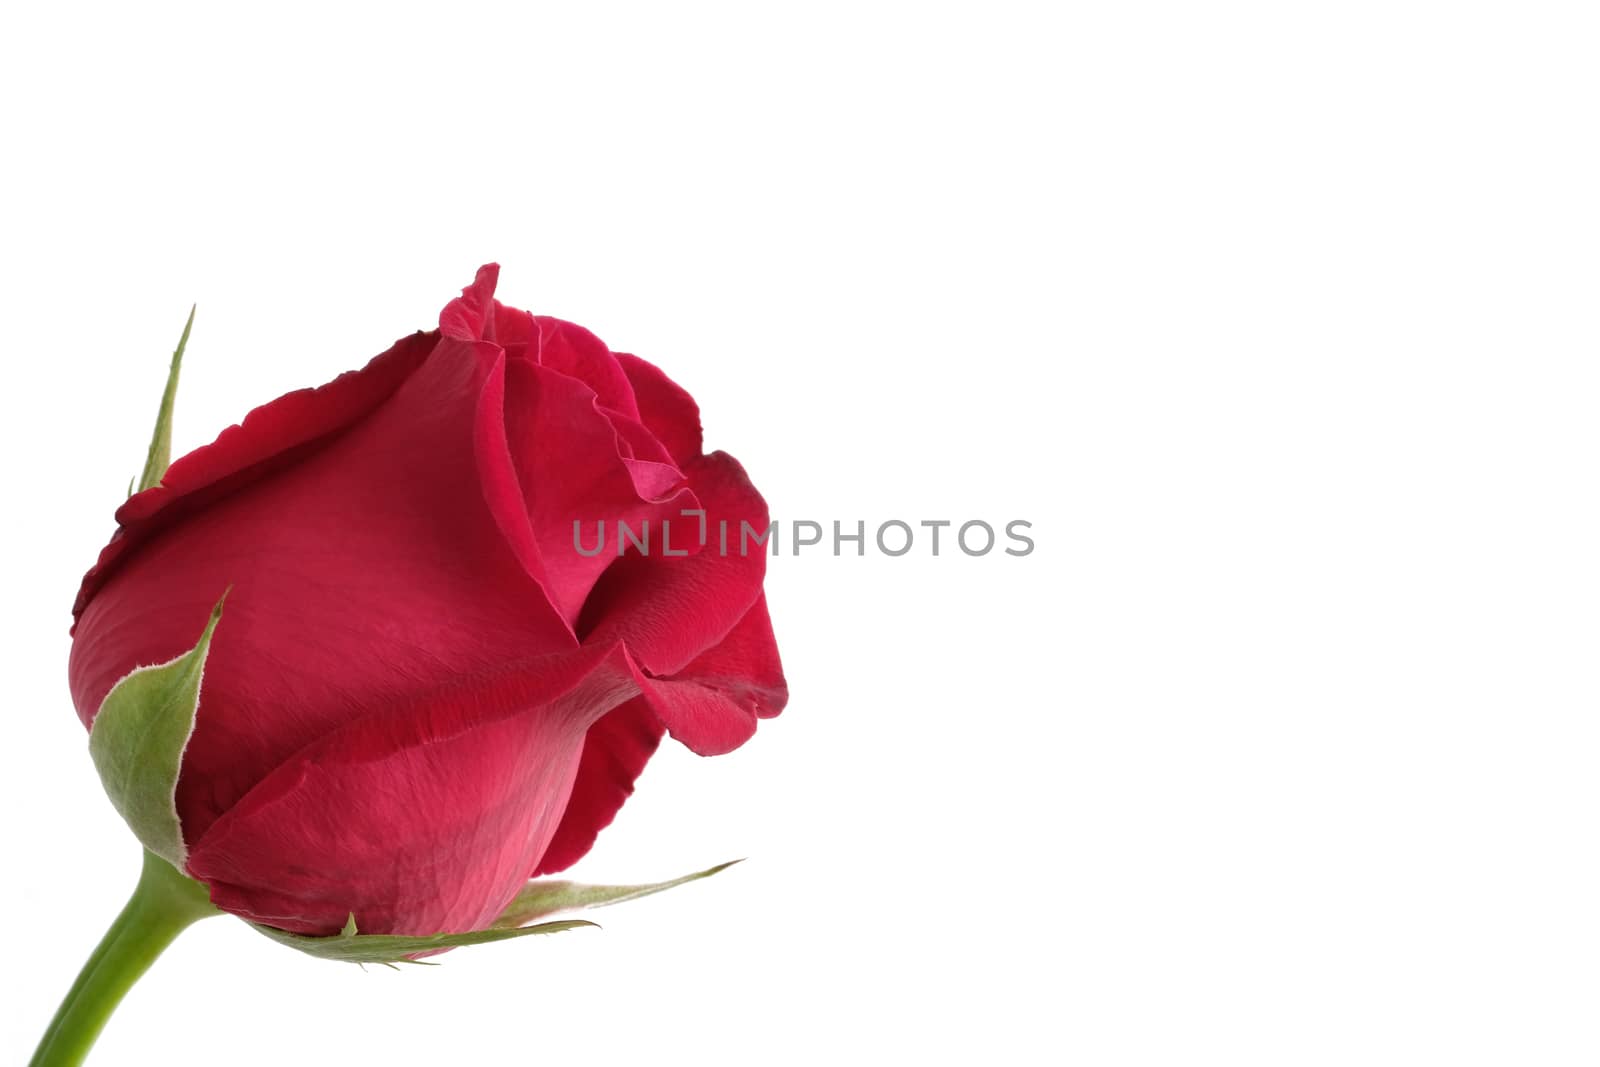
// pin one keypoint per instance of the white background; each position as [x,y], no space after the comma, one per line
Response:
[1277,321]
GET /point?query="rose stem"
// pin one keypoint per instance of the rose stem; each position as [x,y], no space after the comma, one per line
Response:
[163,905]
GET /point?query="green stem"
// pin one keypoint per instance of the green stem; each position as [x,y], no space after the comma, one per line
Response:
[162,906]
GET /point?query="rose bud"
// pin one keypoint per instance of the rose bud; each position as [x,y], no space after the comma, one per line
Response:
[420,693]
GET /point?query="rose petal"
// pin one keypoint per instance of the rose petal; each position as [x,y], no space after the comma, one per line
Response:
[569,349]
[566,454]
[712,706]
[665,407]
[471,316]
[366,571]
[421,822]
[615,751]
[669,610]
[270,438]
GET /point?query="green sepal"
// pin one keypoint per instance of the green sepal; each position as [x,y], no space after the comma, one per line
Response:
[535,900]
[137,742]
[349,946]
[159,457]
[540,898]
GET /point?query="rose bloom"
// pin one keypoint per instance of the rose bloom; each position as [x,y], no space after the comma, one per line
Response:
[421,694]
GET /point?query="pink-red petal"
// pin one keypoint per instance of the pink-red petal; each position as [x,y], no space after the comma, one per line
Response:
[471,316]
[569,349]
[615,751]
[573,477]
[366,572]
[421,822]
[269,439]
[665,407]
[711,705]
[669,610]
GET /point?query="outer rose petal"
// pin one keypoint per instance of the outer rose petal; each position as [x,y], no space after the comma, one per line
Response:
[417,823]
[366,572]
[669,610]
[713,704]
[615,750]
[270,438]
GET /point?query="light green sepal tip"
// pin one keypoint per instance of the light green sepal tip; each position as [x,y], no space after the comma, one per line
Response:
[535,900]
[540,898]
[159,458]
[137,744]
[349,946]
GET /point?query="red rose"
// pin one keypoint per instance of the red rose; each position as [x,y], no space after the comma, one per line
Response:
[422,693]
